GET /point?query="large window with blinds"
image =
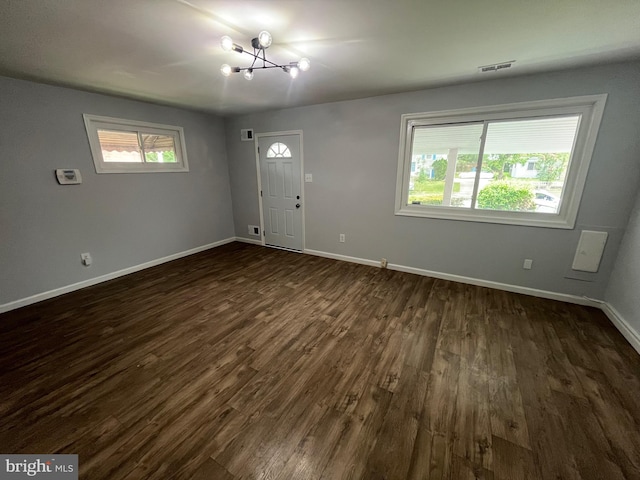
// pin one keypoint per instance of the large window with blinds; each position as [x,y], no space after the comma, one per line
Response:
[523,164]
[127,146]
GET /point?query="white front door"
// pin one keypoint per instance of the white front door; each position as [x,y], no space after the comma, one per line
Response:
[281,190]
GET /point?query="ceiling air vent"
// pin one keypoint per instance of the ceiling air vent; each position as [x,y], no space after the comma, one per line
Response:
[496,67]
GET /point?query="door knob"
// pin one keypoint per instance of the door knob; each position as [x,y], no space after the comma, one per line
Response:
[297,205]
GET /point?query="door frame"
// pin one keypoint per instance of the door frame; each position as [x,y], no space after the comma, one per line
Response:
[256,140]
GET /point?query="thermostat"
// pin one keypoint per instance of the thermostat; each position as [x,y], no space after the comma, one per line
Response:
[68,176]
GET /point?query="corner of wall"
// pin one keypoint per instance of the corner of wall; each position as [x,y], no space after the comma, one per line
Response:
[625,328]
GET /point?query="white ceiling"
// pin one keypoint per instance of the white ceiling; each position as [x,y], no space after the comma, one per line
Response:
[168,51]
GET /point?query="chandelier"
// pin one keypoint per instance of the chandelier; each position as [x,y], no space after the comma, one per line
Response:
[259,44]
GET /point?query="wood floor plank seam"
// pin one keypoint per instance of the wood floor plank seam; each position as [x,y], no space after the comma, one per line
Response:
[248,362]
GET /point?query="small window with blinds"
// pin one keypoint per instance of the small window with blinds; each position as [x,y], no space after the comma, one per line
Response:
[126,146]
[522,164]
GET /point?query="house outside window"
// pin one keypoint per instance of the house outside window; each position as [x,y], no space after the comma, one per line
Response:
[522,164]
[128,146]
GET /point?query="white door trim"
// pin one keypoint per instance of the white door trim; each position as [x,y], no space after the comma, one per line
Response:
[256,139]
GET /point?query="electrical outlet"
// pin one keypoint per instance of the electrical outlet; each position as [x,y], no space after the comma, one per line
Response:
[383,263]
[308,178]
[342,238]
[528,263]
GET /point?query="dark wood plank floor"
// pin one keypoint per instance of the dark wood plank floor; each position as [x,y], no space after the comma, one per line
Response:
[247,362]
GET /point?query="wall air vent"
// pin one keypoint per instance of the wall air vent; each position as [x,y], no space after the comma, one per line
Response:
[496,67]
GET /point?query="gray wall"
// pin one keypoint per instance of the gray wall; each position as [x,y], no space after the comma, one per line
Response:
[351,148]
[123,220]
[623,292]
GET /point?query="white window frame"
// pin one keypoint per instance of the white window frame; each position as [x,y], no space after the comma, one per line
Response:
[93,123]
[590,107]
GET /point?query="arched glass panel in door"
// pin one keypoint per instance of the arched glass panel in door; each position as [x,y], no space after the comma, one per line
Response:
[278,150]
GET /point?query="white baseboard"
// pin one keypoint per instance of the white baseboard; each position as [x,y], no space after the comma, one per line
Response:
[109,276]
[614,316]
[621,324]
[563,297]
[344,258]
[534,292]
[253,241]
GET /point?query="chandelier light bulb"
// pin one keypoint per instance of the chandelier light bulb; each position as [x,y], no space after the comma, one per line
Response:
[226,43]
[264,38]
[248,74]
[226,70]
[294,71]
[304,64]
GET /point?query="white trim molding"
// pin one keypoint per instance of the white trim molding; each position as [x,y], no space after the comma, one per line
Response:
[563,297]
[23,302]
[344,258]
[507,287]
[614,316]
[622,325]
[253,241]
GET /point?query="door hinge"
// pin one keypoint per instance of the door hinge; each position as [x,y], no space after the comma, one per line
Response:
[258,150]
[264,233]
[260,192]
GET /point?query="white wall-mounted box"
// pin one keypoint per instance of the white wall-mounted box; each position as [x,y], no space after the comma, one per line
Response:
[246,135]
[589,251]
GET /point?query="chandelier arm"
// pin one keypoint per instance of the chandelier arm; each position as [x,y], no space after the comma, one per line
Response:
[259,55]
[263,58]
[241,69]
